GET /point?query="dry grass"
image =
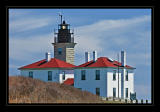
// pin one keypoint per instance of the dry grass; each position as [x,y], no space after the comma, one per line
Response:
[28,90]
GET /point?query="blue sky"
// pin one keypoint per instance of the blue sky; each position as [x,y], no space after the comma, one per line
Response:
[106,30]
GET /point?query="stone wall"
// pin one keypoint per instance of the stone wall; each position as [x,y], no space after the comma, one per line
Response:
[67,52]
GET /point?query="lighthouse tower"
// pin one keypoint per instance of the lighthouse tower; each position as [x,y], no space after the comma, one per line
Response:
[64,43]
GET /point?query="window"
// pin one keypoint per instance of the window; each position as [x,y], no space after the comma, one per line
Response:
[126,92]
[114,74]
[64,75]
[98,91]
[59,51]
[114,92]
[49,75]
[127,75]
[83,77]
[31,74]
[97,74]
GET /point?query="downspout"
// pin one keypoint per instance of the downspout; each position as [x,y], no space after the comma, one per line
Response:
[118,76]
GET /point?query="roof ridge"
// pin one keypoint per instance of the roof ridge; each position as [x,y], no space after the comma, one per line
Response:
[34,63]
[104,59]
[91,62]
[56,61]
[42,63]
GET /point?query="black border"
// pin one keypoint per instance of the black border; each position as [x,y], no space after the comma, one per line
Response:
[8,4]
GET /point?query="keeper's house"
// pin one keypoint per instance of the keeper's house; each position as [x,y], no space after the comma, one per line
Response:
[50,69]
[105,77]
[102,76]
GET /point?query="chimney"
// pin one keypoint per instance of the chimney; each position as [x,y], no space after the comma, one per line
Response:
[94,56]
[123,58]
[48,56]
[87,56]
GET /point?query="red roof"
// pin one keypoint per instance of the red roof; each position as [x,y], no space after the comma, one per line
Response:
[103,62]
[53,63]
[69,81]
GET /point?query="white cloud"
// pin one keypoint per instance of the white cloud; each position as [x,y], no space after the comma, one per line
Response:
[108,25]
[27,48]
[25,24]
[107,37]
[111,36]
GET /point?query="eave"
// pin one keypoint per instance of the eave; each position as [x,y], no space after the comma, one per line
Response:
[102,67]
[45,68]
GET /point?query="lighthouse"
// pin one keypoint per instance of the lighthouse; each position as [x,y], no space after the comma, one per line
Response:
[64,43]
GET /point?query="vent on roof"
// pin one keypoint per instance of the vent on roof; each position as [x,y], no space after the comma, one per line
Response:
[123,58]
[48,56]
[87,56]
[94,56]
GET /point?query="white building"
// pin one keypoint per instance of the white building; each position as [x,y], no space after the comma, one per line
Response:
[105,77]
[102,76]
[49,69]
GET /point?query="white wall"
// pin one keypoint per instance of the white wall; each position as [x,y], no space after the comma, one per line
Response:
[90,84]
[106,83]
[43,74]
[129,84]
[66,77]
[114,84]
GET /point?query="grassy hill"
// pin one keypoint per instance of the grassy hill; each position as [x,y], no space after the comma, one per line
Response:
[28,90]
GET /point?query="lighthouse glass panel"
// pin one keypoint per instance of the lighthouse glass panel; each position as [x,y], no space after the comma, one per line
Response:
[63,27]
